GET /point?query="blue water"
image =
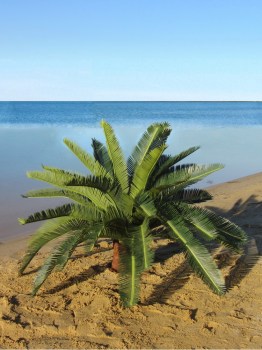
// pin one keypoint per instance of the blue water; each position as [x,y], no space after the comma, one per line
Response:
[31,134]
[90,113]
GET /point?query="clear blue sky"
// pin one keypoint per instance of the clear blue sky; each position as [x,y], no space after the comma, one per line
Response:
[130,50]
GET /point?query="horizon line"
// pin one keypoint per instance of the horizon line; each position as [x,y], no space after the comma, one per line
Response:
[134,101]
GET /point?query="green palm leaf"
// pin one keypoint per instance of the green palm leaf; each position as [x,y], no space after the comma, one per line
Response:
[192,195]
[100,199]
[53,192]
[92,237]
[228,233]
[174,194]
[169,180]
[57,212]
[143,171]
[122,201]
[102,183]
[198,172]
[214,225]
[59,177]
[117,218]
[135,257]
[52,178]
[87,212]
[83,195]
[168,161]
[162,136]
[199,219]
[93,194]
[155,136]
[102,156]
[116,155]
[187,176]
[129,278]
[93,165]
[146,202]
[144,240]
[48,232]
[58,257]
[198,256]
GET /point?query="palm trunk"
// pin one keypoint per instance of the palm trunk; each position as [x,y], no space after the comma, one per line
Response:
[115,261]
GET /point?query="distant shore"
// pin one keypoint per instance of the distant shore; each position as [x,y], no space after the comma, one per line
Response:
[80,307]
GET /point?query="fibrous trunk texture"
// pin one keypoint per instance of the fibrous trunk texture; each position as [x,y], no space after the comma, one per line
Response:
[115,261]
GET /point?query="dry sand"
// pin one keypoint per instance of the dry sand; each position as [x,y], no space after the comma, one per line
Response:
[80,307]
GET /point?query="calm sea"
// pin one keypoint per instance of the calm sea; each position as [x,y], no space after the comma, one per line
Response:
[31,134]
[90,113]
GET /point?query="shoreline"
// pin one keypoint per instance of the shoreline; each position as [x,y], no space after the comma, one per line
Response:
[80,307]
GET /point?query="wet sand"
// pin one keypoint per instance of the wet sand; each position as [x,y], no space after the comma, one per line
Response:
[80,307]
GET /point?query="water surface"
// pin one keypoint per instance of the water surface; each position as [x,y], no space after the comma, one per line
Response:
[31,134]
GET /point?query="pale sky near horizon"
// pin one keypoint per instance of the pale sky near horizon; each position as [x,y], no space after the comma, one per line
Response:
[130,50]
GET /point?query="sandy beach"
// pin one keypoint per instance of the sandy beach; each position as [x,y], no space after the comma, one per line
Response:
[80,307]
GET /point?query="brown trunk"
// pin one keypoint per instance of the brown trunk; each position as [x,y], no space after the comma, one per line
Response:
[115,261]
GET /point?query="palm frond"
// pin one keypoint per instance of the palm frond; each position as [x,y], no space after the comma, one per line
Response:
[115,216]
[93,165]
[92,237]
[146,202]
[198,256]
[154,137]
[200,219]
[92,193]
[60,171]
[74,179]
[192,195]
[168,161]
[48,214]
[122,200]
[116,155]
[44,193]
[82,190]
[135,257]
[198,172]
[223,230]
[60,177]
[102,156]
[143,242]
[100,199]
[186,176]
[50,177]
[129,275]
[48,232]
[143,171]
[166,181]
[53,192]
[174,194]
[87,212]
[162,136]
[58,257]
[228,233]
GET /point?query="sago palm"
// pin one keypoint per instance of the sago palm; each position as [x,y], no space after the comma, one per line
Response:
[130,203]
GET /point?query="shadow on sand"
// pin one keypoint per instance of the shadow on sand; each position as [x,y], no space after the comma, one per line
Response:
[81,277]
[246,214]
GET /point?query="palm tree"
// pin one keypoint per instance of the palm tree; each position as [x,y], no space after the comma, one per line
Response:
[131,203]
